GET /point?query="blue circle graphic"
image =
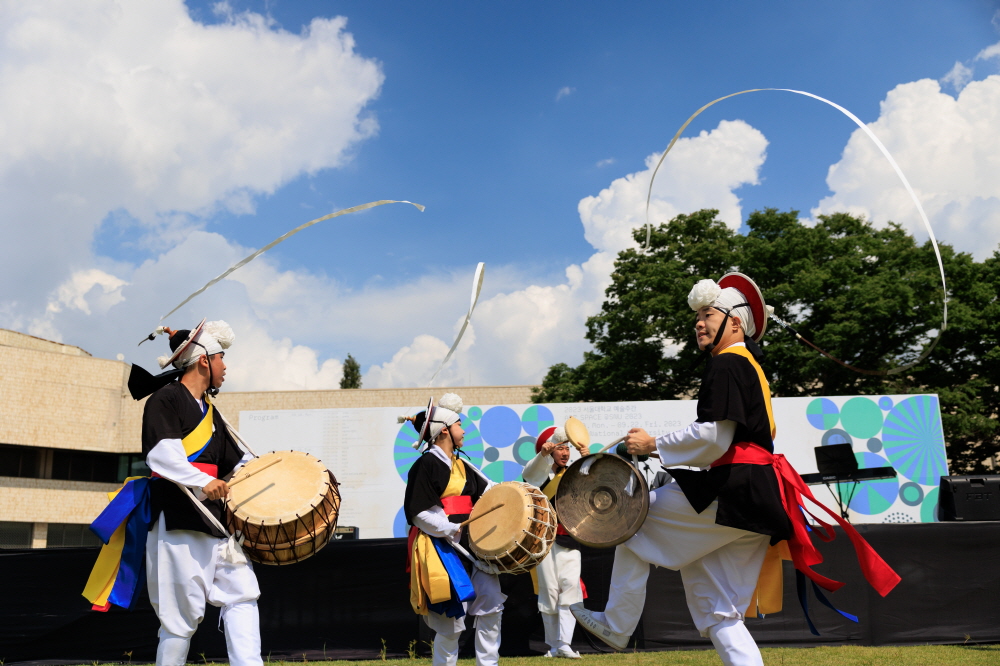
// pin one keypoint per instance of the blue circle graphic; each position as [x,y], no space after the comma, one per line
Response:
[490,454]
[503,470]
[536,419]
[500,426]
[914,441]
[885,403]
[472,443]
[524,450]
[911,494]
[871,497]
[874,444]
[836,436]
[399,526]
[823,413]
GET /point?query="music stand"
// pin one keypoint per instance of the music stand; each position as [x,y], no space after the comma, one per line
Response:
[838,460]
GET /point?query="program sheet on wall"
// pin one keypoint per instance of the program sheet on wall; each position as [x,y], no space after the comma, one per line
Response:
[370,453]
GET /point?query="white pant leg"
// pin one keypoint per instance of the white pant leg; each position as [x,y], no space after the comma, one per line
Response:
[489,599]
[242,626]
[567,624]
[719,585]
[550,622]
[559,579]
[184,571]
[445,648]
[627,595]
[734,644]
[172,650]
[488,639]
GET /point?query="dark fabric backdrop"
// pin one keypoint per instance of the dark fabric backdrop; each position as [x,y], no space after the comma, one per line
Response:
[346,600]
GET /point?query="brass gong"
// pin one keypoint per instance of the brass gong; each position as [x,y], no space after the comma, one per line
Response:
[595,507]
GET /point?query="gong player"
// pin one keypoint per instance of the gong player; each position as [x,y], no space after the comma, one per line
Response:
[713,526]
[441,489]
[186,442]
[558,574]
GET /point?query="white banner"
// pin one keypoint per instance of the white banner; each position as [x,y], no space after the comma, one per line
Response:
[370,453]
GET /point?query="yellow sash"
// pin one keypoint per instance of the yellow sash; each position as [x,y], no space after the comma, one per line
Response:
[745,353]
[429,581]
[197,439]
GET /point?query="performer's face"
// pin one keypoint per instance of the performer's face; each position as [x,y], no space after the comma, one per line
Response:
[457,433]
[218,368]
[560,454]
[707,325]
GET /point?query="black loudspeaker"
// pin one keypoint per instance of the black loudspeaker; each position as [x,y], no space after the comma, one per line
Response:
[346,533]
[969,498]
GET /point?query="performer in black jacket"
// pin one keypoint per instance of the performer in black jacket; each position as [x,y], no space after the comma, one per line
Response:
[189,560]
[715,525]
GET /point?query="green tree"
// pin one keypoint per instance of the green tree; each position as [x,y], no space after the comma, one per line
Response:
[352,374]
[871,297]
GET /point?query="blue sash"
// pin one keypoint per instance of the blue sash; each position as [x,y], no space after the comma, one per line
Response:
[461,584]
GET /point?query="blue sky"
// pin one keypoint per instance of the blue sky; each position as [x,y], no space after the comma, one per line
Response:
[499,117]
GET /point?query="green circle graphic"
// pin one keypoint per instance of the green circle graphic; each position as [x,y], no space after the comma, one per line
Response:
[861,418]
[929,507]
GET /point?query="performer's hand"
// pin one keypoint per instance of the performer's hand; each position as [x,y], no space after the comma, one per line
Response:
[547,448]
[216,489]
[486,567]
[639,442]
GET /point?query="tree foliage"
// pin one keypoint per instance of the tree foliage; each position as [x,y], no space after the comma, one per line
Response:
[871,297]
[352,374]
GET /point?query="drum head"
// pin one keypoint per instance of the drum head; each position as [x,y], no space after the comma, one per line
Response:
[577,433]
[497,533]
[595,507]
[280,491]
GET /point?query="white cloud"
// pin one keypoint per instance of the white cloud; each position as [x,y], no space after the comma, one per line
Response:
[958,77]
[606,162]
[992,51]
[134,107]
[565,91]
[949,150]
[75,291]
[520,334]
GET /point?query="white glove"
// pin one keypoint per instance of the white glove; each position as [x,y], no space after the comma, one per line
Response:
[486,567]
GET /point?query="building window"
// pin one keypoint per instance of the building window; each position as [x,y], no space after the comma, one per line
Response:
[19,461]
[65,535]
[15,535]
[84,466]
[132,464]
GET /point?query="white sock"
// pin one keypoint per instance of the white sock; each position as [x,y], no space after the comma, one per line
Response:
[735,645]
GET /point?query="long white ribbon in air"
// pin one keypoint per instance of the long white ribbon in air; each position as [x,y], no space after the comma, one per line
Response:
[246,260]
[885,152]
[477,286]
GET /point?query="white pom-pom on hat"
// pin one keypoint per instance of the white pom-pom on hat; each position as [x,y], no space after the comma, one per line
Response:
[221,332]
[559,436]
[703,294]
[451,401]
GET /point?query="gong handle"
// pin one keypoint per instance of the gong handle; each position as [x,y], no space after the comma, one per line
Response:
[614,443]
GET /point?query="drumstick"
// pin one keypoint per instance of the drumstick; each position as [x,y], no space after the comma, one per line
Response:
[464,523]
[614,443]
[261,469]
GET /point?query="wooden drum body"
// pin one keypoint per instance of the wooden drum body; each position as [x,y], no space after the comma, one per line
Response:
[283,506]
[517,536]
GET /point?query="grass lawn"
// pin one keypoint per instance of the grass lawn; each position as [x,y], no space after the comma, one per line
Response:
[930,655]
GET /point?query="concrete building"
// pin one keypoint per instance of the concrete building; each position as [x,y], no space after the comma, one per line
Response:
[70,433]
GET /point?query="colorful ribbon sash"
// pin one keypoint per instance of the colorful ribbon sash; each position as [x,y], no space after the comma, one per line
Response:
[804,553]
[123,526]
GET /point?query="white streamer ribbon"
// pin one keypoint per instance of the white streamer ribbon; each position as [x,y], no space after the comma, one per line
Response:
[888,156]
[477,286]
[243,262]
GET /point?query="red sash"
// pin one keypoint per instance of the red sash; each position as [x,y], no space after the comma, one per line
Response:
[211,470]
[457,504]
[804,554]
